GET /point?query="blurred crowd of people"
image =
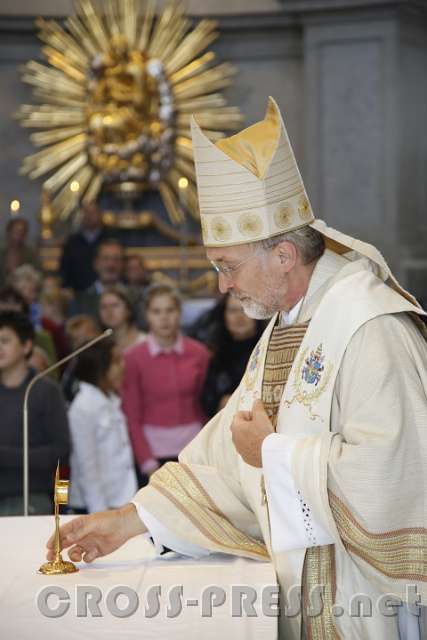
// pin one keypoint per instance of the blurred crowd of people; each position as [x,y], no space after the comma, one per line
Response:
[124,406]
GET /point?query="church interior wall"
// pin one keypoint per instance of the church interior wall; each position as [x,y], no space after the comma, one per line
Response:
[350,79]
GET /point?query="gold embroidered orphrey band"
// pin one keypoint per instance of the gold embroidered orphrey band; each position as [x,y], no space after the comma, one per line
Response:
[282,350]
[319,569]
[179,485]
[319,563]
[400,554]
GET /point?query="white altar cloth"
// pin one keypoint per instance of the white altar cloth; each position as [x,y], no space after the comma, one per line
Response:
[134,566]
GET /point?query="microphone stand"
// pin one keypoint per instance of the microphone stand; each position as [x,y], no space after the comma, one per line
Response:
[37,377]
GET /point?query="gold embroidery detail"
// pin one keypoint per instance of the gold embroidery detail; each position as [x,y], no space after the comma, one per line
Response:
[251,372]
[179,485]
[304,397]
[282,349]
[283,216]
[319,570]
[263,491]
[399,554]
[250,225]
[221,229]
[304,209]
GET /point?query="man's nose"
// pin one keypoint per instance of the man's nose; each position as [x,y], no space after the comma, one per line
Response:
[224,283]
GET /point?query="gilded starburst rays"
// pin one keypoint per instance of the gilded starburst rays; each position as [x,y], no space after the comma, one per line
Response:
[115,100]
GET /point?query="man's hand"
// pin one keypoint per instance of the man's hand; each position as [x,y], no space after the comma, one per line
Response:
[97,534]
[249,428]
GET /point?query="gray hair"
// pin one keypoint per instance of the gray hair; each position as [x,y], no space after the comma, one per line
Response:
[309,243]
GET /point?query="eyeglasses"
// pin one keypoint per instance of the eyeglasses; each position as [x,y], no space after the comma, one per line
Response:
[227,271]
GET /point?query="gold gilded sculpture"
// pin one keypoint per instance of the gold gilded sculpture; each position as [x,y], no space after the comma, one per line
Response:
[116,98]
[58,566]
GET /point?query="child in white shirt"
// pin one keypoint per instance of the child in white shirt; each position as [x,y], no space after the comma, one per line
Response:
[102,466]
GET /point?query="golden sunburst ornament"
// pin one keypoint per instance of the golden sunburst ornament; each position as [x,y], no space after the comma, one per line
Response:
[116,99]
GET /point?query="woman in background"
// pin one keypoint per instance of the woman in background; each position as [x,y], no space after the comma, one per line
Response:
[39,359]
[78,330]
[116,312]
[232,338]
[54,307]
[102,469]
[12,300]
[15,250]
[163,380]
[28,281]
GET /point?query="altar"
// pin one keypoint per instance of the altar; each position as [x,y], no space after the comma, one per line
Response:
[130,593]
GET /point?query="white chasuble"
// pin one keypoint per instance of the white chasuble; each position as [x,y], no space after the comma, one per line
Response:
[351,449]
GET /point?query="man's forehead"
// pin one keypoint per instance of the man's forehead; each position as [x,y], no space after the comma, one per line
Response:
[225,254]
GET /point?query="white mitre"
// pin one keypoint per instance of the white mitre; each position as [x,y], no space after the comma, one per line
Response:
[250,189]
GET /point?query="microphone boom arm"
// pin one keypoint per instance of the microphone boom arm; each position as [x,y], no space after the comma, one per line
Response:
[37,377]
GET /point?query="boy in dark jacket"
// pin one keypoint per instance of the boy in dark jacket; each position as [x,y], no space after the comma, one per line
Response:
[48,425]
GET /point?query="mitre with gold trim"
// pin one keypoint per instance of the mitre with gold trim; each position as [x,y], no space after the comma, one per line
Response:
[250,189]
[249,185]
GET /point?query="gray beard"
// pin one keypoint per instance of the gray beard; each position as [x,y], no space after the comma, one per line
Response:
[259,310]
[256,310]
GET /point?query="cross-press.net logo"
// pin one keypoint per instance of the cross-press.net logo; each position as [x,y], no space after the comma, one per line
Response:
[121,601]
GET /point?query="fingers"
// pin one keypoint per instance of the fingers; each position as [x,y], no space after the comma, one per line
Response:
[91,555]
[64,531]
[72,532]
[76,553]
[79,553]
[240,423]
[77,534]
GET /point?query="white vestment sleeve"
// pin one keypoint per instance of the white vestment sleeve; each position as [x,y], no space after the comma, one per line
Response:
[163,537]
[292,523]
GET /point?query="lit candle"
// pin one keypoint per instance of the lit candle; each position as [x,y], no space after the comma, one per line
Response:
[15,205]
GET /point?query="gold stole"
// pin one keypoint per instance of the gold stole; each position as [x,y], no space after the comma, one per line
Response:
[282,350]
[319,564]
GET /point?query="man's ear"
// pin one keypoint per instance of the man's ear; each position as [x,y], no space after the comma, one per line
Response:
[287,254]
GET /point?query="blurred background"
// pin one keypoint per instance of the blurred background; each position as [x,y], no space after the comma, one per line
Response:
[349,76]
[98,208]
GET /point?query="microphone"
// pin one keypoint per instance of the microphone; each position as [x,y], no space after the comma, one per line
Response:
[37,377]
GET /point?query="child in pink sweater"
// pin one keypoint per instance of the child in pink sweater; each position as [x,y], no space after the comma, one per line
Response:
[163,380]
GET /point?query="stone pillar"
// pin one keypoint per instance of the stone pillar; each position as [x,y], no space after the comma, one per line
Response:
[267,53]
[365,144]
[15,146]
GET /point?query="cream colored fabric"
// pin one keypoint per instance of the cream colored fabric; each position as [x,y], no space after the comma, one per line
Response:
[249,185]
[364,443]
[202,500]
[250,188]
[366,427]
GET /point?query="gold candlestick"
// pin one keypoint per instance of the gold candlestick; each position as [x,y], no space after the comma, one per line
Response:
[58,566]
